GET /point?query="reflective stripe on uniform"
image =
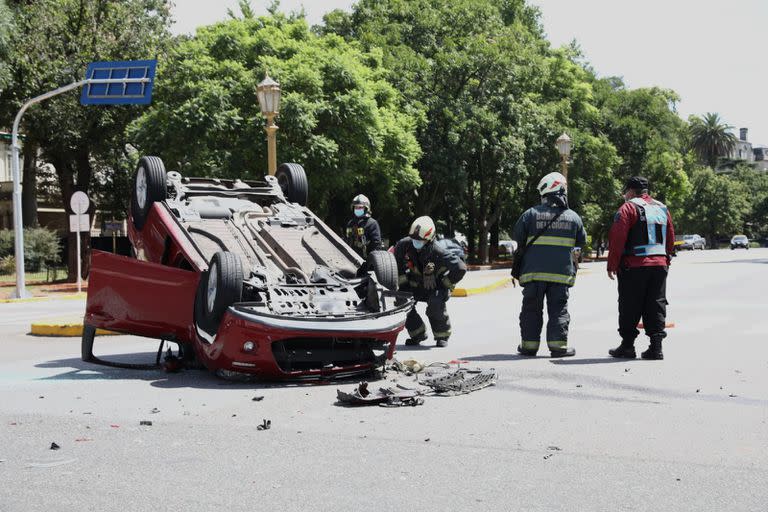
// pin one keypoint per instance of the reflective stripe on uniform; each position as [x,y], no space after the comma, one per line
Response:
[550,278]
[420,330]
[530,345]
[557,344]
[402,279]
[441,334]
[559,241]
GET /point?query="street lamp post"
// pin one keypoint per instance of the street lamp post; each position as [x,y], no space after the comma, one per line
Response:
[268,92]
[563,145]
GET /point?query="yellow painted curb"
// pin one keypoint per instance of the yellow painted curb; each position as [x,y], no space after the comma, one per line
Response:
[464,292]
[49,297]
[64,329]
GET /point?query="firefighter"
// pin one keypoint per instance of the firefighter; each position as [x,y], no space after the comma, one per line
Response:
[430,272]
[551,235]
[363,232]
[642,241]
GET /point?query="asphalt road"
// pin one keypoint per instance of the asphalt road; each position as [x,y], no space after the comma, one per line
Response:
[586,433]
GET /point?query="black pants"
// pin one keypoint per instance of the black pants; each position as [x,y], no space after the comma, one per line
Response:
[437,313]
[642,294]
[532,319]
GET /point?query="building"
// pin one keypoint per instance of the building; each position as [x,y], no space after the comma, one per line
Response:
[744,151]
[761,157]
[6,182]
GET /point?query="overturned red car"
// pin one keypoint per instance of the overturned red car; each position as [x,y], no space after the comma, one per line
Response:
[245,279]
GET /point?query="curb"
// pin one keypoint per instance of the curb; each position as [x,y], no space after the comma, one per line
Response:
[63,329]
[47,297]
[465,292]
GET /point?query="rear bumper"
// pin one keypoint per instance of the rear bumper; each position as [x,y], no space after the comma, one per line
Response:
[300,348]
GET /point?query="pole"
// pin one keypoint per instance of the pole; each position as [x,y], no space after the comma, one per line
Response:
[18,224]
[79,260]
[271,130]
[564,165]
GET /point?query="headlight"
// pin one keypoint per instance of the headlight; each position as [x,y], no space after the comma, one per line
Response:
[248,346]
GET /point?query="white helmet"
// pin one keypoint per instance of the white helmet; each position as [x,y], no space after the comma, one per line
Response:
[423,228]
[361,200]
[552,182]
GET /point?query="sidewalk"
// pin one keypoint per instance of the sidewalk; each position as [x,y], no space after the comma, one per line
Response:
[482,281]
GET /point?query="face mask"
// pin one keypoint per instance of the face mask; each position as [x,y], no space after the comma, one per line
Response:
[359,212]
[418,244]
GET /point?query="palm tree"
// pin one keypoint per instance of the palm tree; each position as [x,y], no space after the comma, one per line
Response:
[711,138]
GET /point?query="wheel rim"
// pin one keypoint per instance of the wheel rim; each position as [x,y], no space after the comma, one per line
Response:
[212,285]
[141,187]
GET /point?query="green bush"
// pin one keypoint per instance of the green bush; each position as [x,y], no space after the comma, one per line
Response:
[7,265]
[41,247]
[754,245]
[6,243]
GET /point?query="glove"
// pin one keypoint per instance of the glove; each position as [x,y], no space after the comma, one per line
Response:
[430,281]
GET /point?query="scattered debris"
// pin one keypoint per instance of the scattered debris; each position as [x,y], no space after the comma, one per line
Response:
[626,370]
[554,448]
[548,456]
[82,439]
[257,398]
[697,390]
[154,410]
[426,440]
[265,425]
[145,423]
[115,426]
[677,479]
[578,385]
[391,397]
[732,395]
[234,415]
[459,381]
[41,396]
[54,446]
[88,412]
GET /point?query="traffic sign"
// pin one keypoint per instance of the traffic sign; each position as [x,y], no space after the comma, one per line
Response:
[79,223]
[79,202]
[119,83]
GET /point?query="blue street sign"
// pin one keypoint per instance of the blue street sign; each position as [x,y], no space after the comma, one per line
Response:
[119,83]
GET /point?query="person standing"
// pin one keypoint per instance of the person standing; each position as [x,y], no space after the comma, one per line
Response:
[430,272]
[363,232]
[551,235]
[642,240]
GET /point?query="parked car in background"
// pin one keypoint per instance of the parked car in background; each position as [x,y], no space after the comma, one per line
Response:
[739,242]
[692,242]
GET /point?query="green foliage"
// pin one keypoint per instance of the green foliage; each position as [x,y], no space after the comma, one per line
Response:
[6,29]
[339,117]
[710,138]
[41,248]
[7,265]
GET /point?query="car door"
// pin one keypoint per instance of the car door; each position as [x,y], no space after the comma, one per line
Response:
[139,297]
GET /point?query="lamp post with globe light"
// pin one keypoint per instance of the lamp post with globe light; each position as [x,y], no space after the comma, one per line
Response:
[563,145]
[268,92]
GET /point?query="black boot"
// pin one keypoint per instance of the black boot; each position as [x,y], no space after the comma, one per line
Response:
[654,351]
[623,351]
[412,342]
[441,342]
[526,351]
[562,352]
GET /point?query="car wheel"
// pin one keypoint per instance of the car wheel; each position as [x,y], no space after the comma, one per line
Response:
[384,267]
[293,182]
[149,186]
[221,287]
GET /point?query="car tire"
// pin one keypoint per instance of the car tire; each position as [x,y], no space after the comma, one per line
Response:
[219,288]
[384,266]
[149,187]
[293,181]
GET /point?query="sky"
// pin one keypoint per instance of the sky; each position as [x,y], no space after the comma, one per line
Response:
[711,52]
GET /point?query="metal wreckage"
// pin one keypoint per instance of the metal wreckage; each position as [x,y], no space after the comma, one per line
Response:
[439,379]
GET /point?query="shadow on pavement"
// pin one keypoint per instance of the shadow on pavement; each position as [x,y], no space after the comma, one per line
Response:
[78,370]
[756,260]
[496,357]
[594,360]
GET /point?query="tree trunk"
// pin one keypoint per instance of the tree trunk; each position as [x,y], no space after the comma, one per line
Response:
[495,241]
[483,242]
[29,187]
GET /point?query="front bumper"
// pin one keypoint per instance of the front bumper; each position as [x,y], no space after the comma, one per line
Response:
[302,348]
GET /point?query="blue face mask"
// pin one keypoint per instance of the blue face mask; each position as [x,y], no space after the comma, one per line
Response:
[418,244]
[359,212]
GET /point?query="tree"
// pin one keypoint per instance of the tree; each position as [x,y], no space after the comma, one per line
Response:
[52,43]
[710,138]
[339,117]
[6,29]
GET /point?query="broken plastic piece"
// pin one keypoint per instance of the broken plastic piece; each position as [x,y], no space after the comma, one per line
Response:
[390,397]
[258,398]
[265,425]
[54,446]
[146,423]
[459,381]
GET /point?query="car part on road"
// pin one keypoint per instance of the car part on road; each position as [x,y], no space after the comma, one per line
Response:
[390,397]
[459,381]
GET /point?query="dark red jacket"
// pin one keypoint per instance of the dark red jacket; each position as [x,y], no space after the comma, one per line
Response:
[625,218]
